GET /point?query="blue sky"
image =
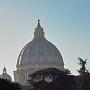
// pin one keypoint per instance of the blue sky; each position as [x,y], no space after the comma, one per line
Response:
[66,24]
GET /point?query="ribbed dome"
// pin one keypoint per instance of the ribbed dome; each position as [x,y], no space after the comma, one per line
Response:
[40,52]
[36,55]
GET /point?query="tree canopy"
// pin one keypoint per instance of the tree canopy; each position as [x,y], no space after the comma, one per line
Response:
[59,80]
[7,85]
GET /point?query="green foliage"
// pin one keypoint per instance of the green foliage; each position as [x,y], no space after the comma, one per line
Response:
[83,80]
[60,80]
[7,85]
[51,73]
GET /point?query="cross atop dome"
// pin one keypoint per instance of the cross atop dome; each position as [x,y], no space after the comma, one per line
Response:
[38,20]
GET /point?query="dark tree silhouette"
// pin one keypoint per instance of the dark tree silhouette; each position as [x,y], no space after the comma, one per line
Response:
[51,73]
[7,85]
[60,80]
[83,80]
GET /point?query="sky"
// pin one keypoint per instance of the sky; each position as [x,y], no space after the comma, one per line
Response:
[66,24]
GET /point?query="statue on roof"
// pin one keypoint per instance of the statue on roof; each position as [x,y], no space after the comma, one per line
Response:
[83,69]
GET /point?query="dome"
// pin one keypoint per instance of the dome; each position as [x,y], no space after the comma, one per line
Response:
[5,75]
[40,52]
[35,55]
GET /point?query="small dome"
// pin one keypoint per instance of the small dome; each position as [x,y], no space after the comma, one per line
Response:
[40,52]
[5,75]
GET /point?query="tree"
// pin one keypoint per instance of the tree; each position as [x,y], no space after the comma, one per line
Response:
[7,85]
[83,80]
[51,73]
[59,80]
